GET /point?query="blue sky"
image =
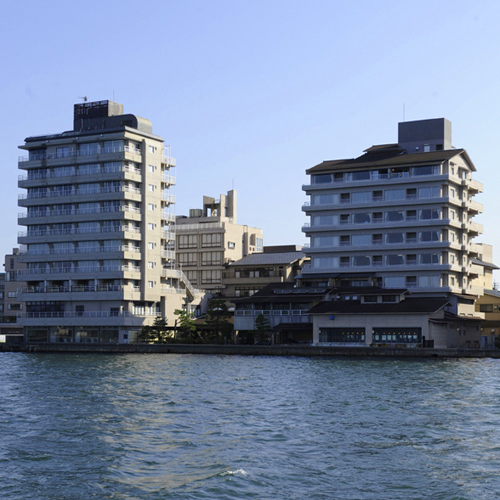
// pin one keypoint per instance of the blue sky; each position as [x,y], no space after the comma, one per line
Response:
[249,94]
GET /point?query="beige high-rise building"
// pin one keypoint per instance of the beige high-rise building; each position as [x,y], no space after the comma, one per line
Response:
[210,238]
[99,239]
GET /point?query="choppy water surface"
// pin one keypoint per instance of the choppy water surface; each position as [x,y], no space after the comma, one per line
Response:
[216,427]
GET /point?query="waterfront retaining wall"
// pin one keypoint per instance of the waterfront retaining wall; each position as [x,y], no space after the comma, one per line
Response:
[257,350]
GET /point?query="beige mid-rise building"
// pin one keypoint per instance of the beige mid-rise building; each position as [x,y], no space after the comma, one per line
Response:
[210,238]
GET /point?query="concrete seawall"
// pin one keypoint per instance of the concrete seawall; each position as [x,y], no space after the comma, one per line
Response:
[256,350]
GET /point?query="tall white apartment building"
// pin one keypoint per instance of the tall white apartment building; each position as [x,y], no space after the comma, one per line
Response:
[398,216]
[99,234]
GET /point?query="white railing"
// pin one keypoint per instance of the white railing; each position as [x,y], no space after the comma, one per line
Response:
[84,152]
[59,232]
[197,227]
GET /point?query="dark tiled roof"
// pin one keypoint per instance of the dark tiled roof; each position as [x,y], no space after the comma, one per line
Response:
[410,305]
[389,158]
[268,258]
[480,262]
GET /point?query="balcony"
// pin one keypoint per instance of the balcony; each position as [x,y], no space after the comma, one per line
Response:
[473,185]
[84,318]
[180,228]
[77,292]
[126,150]
[168,199]
[474,207]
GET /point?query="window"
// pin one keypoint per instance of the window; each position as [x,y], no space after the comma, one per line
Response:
[79,310]
[11,295]
[429,258]
[15,307]
[362,218]
[377,260]
[151,187]
[377,195]
[394,282]
[361,260]
[151,246]
[211,276]
[187,241]
[151,149]
[427,170]
[411,259]
[345,197]
[394,238]
[211,258]
[151,168]
[342,335]
[411,237]
[361,176]
[151,265]
[345,219]
[325,262]
[486,308]
[325,199]
[151,226]
[370,299]
[187,259]
[395,194]
[345,240]
[429,213]
[394,260]
[429,236]
[389,298]
[345,261]
[411,193]
[361,239]
[429,281]
[211,240]
[361,197]
[151,206]
[324,220]
[377,217]
[411,215]
[377,239]
[321,178]
[338,177]
[431,192]
[394,216]
[231,245]
[325,241]
[150,284]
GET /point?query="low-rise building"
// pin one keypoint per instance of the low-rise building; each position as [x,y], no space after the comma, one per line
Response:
[250,274]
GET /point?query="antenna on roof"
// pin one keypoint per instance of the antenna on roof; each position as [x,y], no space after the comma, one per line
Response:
[85,98]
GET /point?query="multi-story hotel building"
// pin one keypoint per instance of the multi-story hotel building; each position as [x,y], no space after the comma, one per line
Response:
[398,216]
[99,229]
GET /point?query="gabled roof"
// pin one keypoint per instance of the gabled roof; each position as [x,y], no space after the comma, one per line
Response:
[409,305]
[389,156]
[269,259]
[480,262]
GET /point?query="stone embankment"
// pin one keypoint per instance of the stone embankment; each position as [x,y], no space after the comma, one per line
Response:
[257,350]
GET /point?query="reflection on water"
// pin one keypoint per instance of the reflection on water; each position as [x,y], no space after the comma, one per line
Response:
[223,427]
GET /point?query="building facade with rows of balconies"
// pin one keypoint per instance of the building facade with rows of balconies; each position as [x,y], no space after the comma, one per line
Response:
[399,216]
[99,244]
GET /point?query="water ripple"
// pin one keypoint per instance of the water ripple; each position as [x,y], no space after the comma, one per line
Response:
[215,427]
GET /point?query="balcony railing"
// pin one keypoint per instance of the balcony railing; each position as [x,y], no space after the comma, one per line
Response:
[84,152]
[70,251]
[85,314]
[36,175]
[78,289]
[79,270]
[78,211]
[76,192]
[196,227]
[59,232]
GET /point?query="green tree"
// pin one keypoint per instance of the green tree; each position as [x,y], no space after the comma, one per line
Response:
[262,328]
[186,329]
[158,332]
[219,328]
